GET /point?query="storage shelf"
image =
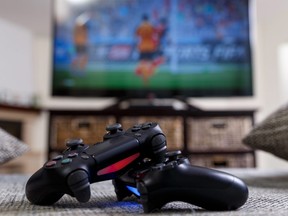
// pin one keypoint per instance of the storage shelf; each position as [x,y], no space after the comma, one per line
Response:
[174,123]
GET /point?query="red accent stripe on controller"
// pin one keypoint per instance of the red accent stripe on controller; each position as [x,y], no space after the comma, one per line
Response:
[118,165]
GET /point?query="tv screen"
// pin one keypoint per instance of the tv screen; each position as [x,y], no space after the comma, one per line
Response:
[163,48]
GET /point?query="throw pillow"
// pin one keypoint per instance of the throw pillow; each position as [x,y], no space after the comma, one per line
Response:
[10,147]
[271,135]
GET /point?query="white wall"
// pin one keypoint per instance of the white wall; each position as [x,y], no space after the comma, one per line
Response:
[269,33]
[16,56]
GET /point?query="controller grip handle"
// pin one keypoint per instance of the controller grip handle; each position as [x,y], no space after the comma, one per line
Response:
[209,189]
[41,189]
[40,192]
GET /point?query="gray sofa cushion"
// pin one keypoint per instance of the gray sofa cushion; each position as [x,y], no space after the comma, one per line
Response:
[10,147]
[271,135]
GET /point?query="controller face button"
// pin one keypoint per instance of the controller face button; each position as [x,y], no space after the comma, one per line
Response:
[58,157]
[72,155]
[50,164]
[84,156]
[66,161]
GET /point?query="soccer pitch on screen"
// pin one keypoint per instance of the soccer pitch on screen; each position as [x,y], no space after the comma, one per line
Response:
[228,77]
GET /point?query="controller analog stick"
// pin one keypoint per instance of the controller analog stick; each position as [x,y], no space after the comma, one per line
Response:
[74,143]
[114,128]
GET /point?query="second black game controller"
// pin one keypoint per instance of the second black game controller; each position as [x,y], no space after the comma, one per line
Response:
[177,180]
[80,165]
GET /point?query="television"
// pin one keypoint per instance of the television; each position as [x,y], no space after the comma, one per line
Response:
[144,48]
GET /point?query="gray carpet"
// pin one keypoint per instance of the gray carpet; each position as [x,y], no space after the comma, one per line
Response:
[268,196]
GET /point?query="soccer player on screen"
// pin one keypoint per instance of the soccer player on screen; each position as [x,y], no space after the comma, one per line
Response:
[161,32]
[80,38]
[147,46]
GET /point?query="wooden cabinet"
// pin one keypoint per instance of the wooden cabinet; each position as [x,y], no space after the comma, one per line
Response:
[207,138]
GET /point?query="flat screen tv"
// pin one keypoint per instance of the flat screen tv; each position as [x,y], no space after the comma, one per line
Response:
[139,48]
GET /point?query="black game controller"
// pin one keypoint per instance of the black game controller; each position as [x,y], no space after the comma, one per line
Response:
[79,165]
[177,180]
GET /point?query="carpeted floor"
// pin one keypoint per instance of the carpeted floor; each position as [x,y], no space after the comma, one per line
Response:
[268,195]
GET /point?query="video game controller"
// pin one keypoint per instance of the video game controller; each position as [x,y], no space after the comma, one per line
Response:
[80,165]
[177,180]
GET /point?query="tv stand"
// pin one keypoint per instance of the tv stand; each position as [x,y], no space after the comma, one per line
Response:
[211,138]
[156,103]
